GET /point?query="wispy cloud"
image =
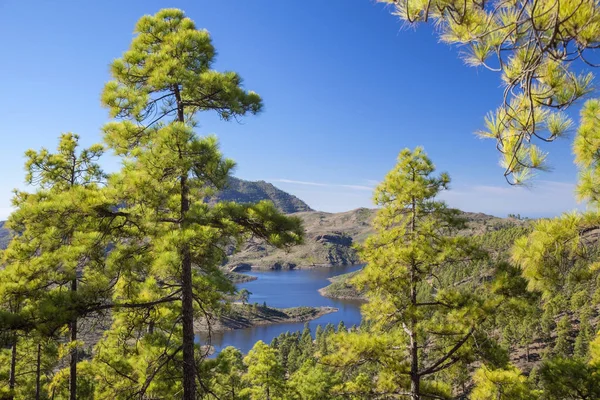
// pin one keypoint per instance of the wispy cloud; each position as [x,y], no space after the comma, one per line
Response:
[328,185]
[542,199]
[356,187]
[299,182]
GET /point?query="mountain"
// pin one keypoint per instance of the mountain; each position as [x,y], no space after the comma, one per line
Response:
[242,191]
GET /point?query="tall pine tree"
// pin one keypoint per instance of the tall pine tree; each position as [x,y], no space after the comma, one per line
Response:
[420,321]
[159,86]
[55,263]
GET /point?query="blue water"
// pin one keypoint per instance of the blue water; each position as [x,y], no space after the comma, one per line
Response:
[284,289]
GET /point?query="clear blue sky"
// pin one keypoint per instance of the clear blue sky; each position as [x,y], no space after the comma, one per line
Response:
[345,89]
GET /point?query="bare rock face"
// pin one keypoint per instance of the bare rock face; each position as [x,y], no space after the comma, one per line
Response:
[241,267]
[335,238]
[282,265]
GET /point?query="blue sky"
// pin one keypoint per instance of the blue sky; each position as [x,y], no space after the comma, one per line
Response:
[345,87]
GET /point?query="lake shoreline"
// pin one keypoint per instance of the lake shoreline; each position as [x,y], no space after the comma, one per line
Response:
[284,289]
[340,288]
[286,267]
[242,316]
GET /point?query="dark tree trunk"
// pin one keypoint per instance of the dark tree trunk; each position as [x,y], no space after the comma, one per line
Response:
[414,348]
[187,290]
[187,310]
[415,379]
[38,370]
[73,361]
[13,367]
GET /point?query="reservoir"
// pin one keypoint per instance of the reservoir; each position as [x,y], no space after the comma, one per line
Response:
[290,288]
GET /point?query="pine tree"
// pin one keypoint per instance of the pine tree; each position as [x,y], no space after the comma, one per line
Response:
[502,384]
[226,382]
[35,364]
[294,358]
[306,343]
[562,347]
[319,334]
[420,322]
[563,378]
[177,240]
[265,377]
[313,382]
[557,260]
[582,342]
[59,244]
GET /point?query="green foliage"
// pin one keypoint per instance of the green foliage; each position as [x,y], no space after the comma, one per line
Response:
[169,52]
[27,367]
[265,375]
[226,382]
[55,266]
[147,242]
[502,384]
[563,378]
[563,346]
[555,258]
[421,321]
[173,241]
[586,333]
[533,46]
[585,147]
[313,382]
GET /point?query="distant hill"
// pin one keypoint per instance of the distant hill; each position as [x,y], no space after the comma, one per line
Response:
[330,240]
[4,235]
[242,191]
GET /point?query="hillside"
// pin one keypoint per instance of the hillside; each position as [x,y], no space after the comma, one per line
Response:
[242,191]
[4,235]
[330,238]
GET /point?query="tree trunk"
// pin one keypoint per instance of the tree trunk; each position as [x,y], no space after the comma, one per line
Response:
[73,361]
[38,370]
[187,290]
[415,379]
[13,368]
[187,310]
